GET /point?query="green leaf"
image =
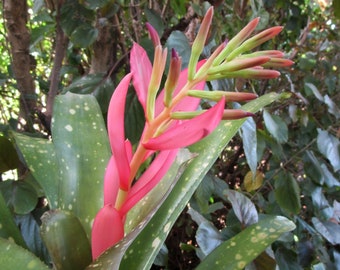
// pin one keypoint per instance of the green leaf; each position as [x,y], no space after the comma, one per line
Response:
[98,84]
[276,127]
[19,195]
[9,159]
[329,230]
[179,41]
[249,139]
[8,228]
[13,256]
[66,240]
[84,35]
[71,167]
[287,192]
[328,145]
[155,20]
[145,248]
[42,161]
[83,150]
[134,118]
[243,248]
[243,207]
[287,259]
[30,231]
[73,15]
[315,91]
[207,235]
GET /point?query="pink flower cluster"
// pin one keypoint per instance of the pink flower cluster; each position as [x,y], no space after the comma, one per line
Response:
[172,119]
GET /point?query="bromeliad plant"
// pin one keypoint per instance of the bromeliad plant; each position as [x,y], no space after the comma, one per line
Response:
[67,166]
[172,118]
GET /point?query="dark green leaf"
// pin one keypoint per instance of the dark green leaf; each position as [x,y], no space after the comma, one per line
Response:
[134,118]
[287,192]
[328,229]
[207,235]
[178,41]
[276,127]
[73,15]
[243,248]
[20,196]
[243,208]
[155,20]
[328,145]
[249,139]
[84,35]
[321,204]
[8,228]
[332,107]
[30,231]
[287,259]
[13,257]
[66,240]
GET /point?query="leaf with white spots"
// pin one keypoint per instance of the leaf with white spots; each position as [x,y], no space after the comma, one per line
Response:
[70,167]
[13,256]
[243,248]
[141,254]
[81,142]
[40,156]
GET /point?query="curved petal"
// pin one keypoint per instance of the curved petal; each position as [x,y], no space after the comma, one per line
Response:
[149,179]
[107,230]
[111,182]
[115,122]
[141,69]
[189,131]
[188,103]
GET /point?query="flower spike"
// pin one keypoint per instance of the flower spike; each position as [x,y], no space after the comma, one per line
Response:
[199,42]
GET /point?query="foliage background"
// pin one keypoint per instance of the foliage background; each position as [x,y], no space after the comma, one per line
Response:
[293,145]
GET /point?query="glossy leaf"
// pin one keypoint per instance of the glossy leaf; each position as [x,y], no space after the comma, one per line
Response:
[41,158]
[249,139]
[287,192]
[8,228]
[243,208]
[71,167]
[178,40]
[276,127]
[20,196]
[82,147]
[66,240]
[13,256]
[207,235]
[240,250]
[329,230]
[328,145]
